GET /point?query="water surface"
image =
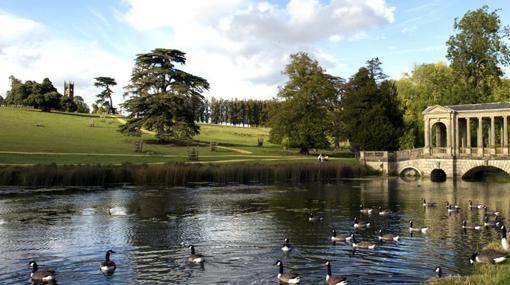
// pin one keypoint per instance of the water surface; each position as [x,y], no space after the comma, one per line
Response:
[240,230]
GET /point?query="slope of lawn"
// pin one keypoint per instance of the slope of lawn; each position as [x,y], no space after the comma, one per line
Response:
[30,137]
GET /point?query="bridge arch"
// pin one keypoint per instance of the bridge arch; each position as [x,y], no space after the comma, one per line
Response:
[404,170]
[478,172]
[439,134]
[438,175]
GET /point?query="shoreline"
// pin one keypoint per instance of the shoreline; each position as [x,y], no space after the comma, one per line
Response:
[178,174]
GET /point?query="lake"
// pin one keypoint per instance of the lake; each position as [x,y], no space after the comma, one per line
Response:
[240,230]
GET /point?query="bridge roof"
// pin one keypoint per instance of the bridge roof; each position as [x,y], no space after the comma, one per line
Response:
[497,106]
[480,107]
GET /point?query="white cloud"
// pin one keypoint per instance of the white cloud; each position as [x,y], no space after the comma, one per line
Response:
[246,43]
[240,46]
[30,52]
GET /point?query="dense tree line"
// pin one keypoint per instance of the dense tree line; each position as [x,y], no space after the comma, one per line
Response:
[43,96]
[237,112]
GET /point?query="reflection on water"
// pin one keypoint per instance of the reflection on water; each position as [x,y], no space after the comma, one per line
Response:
[240,231]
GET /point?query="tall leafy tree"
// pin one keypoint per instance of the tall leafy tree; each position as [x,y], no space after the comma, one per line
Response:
[163,98]
[104,98]
[371,114]
[478,51]
[303,117]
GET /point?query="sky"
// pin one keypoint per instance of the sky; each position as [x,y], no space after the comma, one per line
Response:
[239,46]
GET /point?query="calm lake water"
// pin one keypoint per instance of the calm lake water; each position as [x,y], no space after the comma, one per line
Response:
[240,230]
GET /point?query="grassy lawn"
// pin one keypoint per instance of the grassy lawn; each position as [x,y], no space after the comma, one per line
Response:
[34,137]
[483,274]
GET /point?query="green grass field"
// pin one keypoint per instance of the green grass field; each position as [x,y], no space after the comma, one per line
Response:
[34,137]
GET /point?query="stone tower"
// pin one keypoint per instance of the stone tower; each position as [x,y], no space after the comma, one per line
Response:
[69,89]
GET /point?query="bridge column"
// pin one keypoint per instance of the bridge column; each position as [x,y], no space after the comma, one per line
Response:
[449,135]
[493,136]
[468,136]
[505,135]
[479,137]
[427,136]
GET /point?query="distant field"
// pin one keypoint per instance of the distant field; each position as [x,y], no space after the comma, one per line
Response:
[31,137]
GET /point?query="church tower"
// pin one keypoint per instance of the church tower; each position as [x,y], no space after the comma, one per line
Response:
[69,89]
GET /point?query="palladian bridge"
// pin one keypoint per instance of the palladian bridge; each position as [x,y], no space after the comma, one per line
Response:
[460,140]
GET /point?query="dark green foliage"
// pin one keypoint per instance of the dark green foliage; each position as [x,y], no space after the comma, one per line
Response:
[304,114]
[67,104]
[371,114]
[81,106]
[105,97]
[250,112]
[2,101]
[477,53]
[163,98]
[43,96]
[176,174]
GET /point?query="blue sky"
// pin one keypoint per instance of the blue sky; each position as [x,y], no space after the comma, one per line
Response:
[240,46]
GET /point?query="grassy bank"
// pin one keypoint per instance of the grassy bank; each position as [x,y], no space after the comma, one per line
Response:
[34,137]
[483,274]
[177,174]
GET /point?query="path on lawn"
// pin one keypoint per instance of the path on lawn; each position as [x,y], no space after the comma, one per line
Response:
[123,121]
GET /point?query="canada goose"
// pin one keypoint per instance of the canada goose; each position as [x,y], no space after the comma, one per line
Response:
[504,241]
[430,204]
[41,276]
[334,279]
[452,209]
[360,224]
[286,245]
[423,229]
[475,206]
[491,256]
[313,218]
[470,227]
[362,244]
[439,271]
[490,213]
[287,277]
[384,212]
[488,223]
[387,237]
[335,237]
[454,206]
[195,258]
[365,210]
[108,266]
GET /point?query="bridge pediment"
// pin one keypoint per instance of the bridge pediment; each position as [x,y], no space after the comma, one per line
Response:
[437,109]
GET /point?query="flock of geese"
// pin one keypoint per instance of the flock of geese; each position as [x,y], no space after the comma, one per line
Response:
[490,256]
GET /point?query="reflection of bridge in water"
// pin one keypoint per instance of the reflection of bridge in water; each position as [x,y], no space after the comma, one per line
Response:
[459,140]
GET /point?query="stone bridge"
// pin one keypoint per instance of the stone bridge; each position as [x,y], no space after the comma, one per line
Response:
[458,139]
[415,162]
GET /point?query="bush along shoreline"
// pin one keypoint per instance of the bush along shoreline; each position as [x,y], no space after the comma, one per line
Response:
[178,174]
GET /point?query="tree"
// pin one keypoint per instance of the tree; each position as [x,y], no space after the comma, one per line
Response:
[17,94]
[477,53]
[81,106]
[163,97]
[303,116]
[426,85]
[106,94]
[2,100]
[371,114]
[67,104]
[375,70]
